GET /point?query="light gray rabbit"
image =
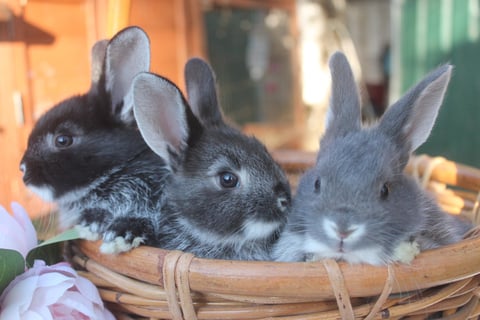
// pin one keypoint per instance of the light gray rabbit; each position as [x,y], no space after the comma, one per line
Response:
[225,197]
[357,204]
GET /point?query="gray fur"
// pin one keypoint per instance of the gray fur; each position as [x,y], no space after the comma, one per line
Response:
[198,213]
[342,209]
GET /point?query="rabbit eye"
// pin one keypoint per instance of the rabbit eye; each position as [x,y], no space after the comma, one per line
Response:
[63,141]
[317,185]
[385,191]
[228,180]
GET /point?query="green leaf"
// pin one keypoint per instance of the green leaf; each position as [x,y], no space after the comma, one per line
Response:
[11,265]
[51,250]
[70,234]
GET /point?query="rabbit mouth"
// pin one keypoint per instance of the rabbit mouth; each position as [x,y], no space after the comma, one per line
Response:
[317,250]
[341,247]
[44,192]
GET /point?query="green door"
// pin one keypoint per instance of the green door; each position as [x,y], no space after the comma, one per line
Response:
[425,34]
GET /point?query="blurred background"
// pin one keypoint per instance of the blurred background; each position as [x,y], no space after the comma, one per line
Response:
[270,57]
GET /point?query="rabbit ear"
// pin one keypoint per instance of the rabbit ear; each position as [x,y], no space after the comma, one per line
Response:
[410,120]
[344,113]
[159,109]
[128,53]
[98,57]
[202,92]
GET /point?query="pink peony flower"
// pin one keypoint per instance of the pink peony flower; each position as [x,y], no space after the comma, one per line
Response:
[51,292]
[17,231]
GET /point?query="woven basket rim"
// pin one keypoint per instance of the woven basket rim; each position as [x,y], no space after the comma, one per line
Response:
[305,280]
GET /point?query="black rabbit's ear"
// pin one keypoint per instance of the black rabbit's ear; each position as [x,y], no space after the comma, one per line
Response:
[98,58]
[160,111]
[202,92]
[127,54]
[410,120]
[344,113]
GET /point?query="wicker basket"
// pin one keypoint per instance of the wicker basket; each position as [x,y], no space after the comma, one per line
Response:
[151,283]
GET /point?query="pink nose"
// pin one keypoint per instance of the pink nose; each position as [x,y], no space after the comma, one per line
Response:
[343,234]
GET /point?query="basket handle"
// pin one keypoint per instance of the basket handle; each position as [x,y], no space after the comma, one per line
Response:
[339,289]
[177,286]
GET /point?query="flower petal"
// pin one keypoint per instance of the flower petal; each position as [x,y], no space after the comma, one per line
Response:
[88,289]
[52,292]
[17,231]
[11,232]
[24,220]
[18,295]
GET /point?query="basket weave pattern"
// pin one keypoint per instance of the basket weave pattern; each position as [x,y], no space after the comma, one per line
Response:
[152,283]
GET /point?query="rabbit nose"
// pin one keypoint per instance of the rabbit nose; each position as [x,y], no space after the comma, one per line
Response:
[23,167]
[343,234]
[282,203]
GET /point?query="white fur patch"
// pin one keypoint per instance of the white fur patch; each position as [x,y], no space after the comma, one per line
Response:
[259,229]
[251,231]
[119,245]
[86,233]
[44,192]
[356,231]
[319,250]
[406,251]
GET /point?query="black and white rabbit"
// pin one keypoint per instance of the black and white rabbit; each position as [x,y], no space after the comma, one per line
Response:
[226,197]
[357,204]
[87,155]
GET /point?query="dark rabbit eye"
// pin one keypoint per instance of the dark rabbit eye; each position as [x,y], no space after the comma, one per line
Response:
[385,191]
[63,141]
[317,185]
[228,180]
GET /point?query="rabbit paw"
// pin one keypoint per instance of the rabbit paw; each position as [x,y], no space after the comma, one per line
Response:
[406,251]
[85,232]
[93,223]
[126,233]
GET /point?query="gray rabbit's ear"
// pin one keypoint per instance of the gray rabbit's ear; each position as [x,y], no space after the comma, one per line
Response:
[98,57]
[344,114]
[159,109]
[410,120]
[127,54]
[202,92]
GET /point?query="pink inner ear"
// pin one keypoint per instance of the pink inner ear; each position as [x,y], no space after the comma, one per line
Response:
[98,58]
[128,54]
[160,114]
[425,110]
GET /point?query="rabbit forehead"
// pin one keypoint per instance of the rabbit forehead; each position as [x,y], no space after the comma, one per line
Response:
[84,110]
[232,150]
[366,158]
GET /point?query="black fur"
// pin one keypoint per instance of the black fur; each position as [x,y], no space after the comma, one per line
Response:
[87,154]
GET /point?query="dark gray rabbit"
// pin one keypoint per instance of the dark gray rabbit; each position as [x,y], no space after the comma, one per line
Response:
[87,155]
[226,197]
[357,204]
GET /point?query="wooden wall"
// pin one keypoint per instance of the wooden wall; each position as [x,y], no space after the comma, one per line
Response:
[45,57]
